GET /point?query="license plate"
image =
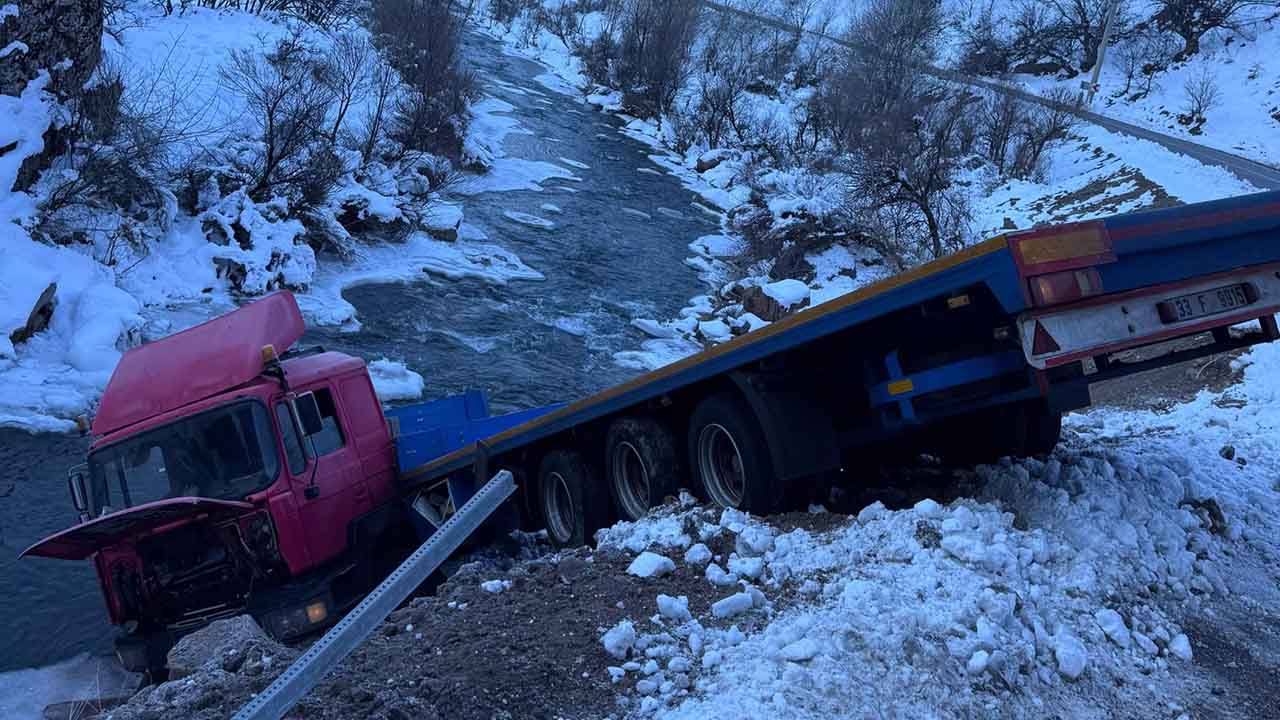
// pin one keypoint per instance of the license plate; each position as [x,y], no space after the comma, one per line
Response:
[1209,302]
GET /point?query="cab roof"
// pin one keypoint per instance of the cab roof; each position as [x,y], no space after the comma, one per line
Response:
[197,363]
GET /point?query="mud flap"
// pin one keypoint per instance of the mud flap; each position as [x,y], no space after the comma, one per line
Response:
[802,441]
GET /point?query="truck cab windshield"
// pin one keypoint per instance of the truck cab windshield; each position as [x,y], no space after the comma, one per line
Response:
[224,454]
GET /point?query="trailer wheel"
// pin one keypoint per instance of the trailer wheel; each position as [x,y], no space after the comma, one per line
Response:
[643,465]
[572,502]
[1044,428]
[730,456]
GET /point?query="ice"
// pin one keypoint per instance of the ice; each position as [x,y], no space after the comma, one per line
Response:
[495,586]
[637,213]
[698,554]
[787,292]
[1071,655]
[575,163]
[551,208]
[735,604]
[717,576]
[715,330]
[1113,625]
[662,529]
[393,381]
[674,608]
[801,650]
[673,214]
[978,662]
[527,219]
[25,693]
[619,639]
[649,564]
[1180,647]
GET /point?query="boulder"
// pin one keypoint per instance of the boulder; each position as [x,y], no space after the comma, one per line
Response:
[40,315]
[224,645]
[757,302]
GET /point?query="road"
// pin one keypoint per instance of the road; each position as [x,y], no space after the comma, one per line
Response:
[1262,176]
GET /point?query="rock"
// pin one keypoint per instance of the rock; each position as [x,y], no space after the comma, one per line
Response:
[39,317]
[1228,452]
[802,650]
[619,640]
[615,673]
[443,220]
[63,38]
[211,646]
[650,564]
[978,662]
[711,159]
[1146,644]
[673,608]
[650,667]
[699,554]
[1071,656]
[1180,647]
[1113,626]
[735,604]
[678,665]
[757,302]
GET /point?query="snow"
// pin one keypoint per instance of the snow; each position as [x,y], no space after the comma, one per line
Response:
[675,609]
[551,208]
[575,163]
[1180,647]
[649,564]
[495,586]
[394,381]
[17,46]
[8,10]
[1071,656]
[698,554]
[735,604]
[619,639]
[527,219]
[1113,626]
[25,693]
[801,650]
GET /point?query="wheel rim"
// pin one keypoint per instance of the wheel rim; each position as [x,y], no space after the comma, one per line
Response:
[720,465]
[631,480]
[558,504]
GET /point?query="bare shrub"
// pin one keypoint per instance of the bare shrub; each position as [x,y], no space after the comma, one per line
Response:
[656,36]
[1002,116]
[1043,127]
[422,39]
[350,74]
[1202,95]
[287,91]
[384,83]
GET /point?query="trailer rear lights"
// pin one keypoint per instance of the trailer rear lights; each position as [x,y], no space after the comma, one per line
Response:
[317,612]
[1061,247]
[1042,342]
[1067,286]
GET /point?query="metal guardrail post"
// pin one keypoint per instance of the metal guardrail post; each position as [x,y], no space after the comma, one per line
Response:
[308,670]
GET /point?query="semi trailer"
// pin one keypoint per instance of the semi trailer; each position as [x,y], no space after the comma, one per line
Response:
[233,472]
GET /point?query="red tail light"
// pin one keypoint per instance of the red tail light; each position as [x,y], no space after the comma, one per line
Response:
[1064,287]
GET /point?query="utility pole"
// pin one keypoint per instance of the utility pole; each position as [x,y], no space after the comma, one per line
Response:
[1091,87]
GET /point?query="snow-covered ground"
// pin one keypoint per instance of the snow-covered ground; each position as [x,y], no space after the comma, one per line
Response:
[1057,588]
[103,308]
[1242,66]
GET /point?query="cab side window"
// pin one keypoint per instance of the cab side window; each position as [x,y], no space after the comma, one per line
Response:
[330,438]
[292,446]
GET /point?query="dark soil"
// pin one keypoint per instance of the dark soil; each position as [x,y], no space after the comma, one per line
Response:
[1168,386]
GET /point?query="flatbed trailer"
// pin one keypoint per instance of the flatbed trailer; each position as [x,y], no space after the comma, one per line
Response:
[1013,330]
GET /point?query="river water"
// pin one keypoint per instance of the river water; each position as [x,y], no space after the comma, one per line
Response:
[525,342]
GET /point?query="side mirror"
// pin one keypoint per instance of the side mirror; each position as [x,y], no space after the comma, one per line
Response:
[79,495]
[308,409]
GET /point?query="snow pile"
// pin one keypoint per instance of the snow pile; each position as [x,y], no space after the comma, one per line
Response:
[394,381]
[1058,573]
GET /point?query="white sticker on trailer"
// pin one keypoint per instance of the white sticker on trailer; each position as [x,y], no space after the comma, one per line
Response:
[1134,320]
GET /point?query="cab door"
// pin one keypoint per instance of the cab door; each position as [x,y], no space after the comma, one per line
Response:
[325,477]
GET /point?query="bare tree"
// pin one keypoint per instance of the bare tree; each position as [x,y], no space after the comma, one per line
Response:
[287,92]
[1191,19]
[654,50]
[1043,127]
[348,74]
[1202,95]
[384,84]
[1002,116]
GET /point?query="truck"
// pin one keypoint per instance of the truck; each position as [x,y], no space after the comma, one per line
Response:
[232,471]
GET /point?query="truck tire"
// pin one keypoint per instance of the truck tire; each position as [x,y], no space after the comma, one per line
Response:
[729,456]
[572,502]
[643,465]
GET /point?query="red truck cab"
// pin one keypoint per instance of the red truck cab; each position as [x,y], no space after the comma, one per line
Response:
[225,478]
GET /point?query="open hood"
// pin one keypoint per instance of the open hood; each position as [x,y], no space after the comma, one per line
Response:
[83,540]
[198,362]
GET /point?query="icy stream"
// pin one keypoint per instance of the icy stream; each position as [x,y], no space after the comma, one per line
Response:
[524,341]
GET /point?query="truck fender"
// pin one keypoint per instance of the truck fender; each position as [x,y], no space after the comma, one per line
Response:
[802,440]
